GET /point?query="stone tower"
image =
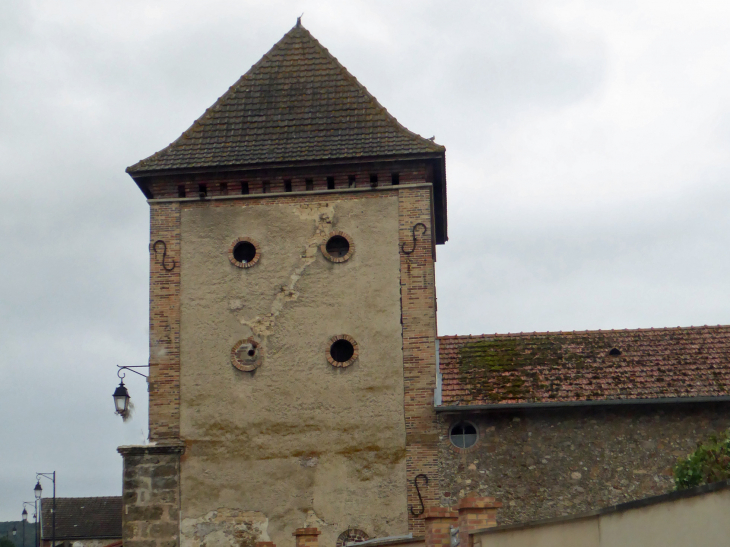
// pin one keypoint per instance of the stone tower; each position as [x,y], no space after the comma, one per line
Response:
[292,315]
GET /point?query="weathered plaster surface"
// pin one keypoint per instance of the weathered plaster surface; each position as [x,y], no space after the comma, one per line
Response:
[296,440]
[551,463]
[93,542]
[225,527]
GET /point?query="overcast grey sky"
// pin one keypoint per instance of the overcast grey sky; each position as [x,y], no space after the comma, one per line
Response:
[587,162]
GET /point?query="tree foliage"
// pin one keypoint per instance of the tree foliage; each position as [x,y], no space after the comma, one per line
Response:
[5,542]
[710,462]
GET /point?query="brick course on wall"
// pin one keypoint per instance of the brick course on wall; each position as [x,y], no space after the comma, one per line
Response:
[300,179]
[164,379]
[418,297]
[547,463]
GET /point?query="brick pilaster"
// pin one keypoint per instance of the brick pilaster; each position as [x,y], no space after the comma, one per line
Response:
[307,537]
[476,514]
[439,521]
[164,387]
[418,313]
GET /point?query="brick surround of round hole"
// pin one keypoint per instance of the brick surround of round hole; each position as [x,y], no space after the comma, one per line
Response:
[244,247]
[347,342]
[351,535]
[338,247]
[461,434]
[247,355]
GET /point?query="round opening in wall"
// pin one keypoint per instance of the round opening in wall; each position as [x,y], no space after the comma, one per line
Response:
[351,535]
[342,351]
[244,252]
[337,246]
[463,435]
[246,354]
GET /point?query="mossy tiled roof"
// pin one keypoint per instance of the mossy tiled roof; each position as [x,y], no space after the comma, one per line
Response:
[567,367]
[298,103]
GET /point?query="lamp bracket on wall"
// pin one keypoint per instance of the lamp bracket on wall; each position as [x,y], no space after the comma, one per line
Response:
[131,368]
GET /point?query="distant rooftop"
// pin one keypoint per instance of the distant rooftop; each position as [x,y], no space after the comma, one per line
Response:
[78,518]
[644,365]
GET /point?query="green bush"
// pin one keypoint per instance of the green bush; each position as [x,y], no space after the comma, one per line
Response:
[710,462]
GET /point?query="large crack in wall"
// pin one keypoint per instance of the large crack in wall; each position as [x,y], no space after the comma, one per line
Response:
[262,326]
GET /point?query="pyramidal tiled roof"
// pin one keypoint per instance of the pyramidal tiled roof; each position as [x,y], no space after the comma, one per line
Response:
[298,103]
[568,367]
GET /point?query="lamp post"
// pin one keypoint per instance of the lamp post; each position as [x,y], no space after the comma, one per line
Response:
[39,491]
[25,519]
[35,518]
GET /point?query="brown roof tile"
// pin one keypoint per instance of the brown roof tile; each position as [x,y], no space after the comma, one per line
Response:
[99,517]
[297,103]
[565,367]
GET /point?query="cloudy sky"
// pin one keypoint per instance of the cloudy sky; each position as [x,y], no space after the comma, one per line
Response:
[587,160]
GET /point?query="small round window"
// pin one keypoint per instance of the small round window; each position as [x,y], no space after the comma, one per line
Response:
[463,435]
[338,247]
[244,252]
[342,351]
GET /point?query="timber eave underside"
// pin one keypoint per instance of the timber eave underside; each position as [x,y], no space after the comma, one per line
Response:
[282,165]
[507,407]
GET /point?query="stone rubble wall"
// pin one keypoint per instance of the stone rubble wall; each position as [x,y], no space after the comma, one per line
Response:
[548,463]
[151,496]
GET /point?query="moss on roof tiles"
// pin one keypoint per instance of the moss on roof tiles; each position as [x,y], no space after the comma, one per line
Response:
[560,367]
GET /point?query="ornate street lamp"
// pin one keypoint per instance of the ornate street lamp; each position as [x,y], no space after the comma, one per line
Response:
[121,395]
[121,399]
[25,517]
[39,491]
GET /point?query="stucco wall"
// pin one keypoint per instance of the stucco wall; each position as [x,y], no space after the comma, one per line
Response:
[576,533]
[544,464]
[93,542]
[297,441]
[697,520]
[83,542]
